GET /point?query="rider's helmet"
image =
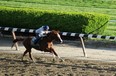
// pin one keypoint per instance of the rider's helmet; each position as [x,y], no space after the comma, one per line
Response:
[46,27]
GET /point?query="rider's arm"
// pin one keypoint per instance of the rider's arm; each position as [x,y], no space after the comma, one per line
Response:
[42,34]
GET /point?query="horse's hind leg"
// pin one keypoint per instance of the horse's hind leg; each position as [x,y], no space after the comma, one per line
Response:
[31,56]
[26,51]
[12,45]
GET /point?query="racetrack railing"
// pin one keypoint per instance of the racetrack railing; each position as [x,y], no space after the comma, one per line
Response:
[67,34]
[23,31]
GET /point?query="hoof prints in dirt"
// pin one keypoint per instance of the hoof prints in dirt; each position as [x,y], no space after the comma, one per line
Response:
[11,65]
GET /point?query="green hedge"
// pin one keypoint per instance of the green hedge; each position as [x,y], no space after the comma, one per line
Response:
[64,21]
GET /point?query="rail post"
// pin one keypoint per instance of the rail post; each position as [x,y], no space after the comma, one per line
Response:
[14,37]
[83,46]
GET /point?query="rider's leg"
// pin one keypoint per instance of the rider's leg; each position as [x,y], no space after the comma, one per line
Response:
[36,40]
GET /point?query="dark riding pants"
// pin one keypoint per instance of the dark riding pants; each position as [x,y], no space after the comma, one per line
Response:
[37,39]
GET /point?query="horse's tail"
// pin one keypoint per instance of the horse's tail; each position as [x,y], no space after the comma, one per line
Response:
[16,40]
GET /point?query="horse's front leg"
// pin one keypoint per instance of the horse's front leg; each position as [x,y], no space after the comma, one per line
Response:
[55,54]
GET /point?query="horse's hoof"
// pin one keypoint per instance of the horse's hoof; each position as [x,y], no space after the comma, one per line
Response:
[53,60]
[62,60]
[34,61]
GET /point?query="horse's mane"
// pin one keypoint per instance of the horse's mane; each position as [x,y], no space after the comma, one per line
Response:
[53,31]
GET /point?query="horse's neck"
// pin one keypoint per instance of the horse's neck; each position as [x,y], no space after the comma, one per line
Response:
[48,39]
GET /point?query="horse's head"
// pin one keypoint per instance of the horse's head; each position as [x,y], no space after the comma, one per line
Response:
[54,35]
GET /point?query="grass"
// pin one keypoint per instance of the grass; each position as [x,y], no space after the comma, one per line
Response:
[81,3]
[111,29]
[60,7]
[99,6]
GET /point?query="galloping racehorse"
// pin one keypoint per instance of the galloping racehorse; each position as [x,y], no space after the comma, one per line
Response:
[45,44]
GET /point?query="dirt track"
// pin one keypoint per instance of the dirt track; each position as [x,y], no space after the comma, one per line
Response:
[11,65]
[100,60]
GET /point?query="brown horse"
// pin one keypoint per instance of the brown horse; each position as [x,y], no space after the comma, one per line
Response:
[45,44]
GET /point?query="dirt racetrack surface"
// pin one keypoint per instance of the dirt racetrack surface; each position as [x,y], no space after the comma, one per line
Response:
[100,60]
[11,65]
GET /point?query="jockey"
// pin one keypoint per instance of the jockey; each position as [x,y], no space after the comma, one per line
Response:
[41,32]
